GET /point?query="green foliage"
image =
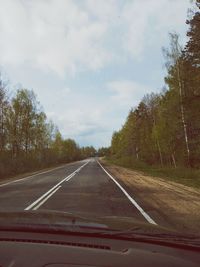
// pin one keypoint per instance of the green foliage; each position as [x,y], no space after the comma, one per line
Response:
[103,152]
[164,129]
[29,141]
[88,152]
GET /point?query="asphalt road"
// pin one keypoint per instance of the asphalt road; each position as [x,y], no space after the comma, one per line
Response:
[82,186]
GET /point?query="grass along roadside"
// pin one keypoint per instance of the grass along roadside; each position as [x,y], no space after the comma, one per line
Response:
[185,176]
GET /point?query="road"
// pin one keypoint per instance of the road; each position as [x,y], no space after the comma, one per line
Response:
[83,186]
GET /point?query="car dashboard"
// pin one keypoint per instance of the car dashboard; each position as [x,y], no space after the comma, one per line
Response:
[20,249]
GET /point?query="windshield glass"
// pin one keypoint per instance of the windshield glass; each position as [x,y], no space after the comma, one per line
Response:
[100,116]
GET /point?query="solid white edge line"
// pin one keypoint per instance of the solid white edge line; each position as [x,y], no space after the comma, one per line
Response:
[54,187]
[146,216]
[31,176]
[44,200]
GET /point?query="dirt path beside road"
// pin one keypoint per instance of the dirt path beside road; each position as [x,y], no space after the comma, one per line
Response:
[169,204]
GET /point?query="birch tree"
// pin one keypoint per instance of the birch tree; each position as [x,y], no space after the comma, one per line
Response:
[174,64]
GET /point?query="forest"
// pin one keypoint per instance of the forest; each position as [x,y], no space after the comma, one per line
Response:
[28,140]
[164,129]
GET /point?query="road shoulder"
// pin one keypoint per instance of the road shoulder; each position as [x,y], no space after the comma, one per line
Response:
[171,204]
[14,178]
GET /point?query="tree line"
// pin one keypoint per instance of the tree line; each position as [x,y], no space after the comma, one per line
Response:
[164,129]
[28,140]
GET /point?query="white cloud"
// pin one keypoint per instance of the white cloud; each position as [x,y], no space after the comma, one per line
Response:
[71,36]
[147,23]
[103,10]
[51,35]
[45,44]
[127,93]
[80,121]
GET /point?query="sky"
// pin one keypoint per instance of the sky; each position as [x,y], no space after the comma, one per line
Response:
[88,61]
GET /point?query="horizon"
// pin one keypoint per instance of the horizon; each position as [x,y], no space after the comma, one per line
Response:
[88,64]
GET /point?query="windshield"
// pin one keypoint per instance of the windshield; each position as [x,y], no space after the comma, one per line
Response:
[100,116]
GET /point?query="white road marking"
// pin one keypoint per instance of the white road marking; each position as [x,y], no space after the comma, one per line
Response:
[146,216]
[44,200]
[31,206]
[31,176]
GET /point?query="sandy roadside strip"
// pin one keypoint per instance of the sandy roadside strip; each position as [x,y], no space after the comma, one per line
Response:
[170,204]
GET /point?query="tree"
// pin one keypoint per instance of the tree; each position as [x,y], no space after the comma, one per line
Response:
[27,139]
[71,150]
[4,105]
[192,48]
[88,152]
[22,117]
[165,129]
[176,78]
[192,65]
[58,145]
[103,152]
[152,102]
